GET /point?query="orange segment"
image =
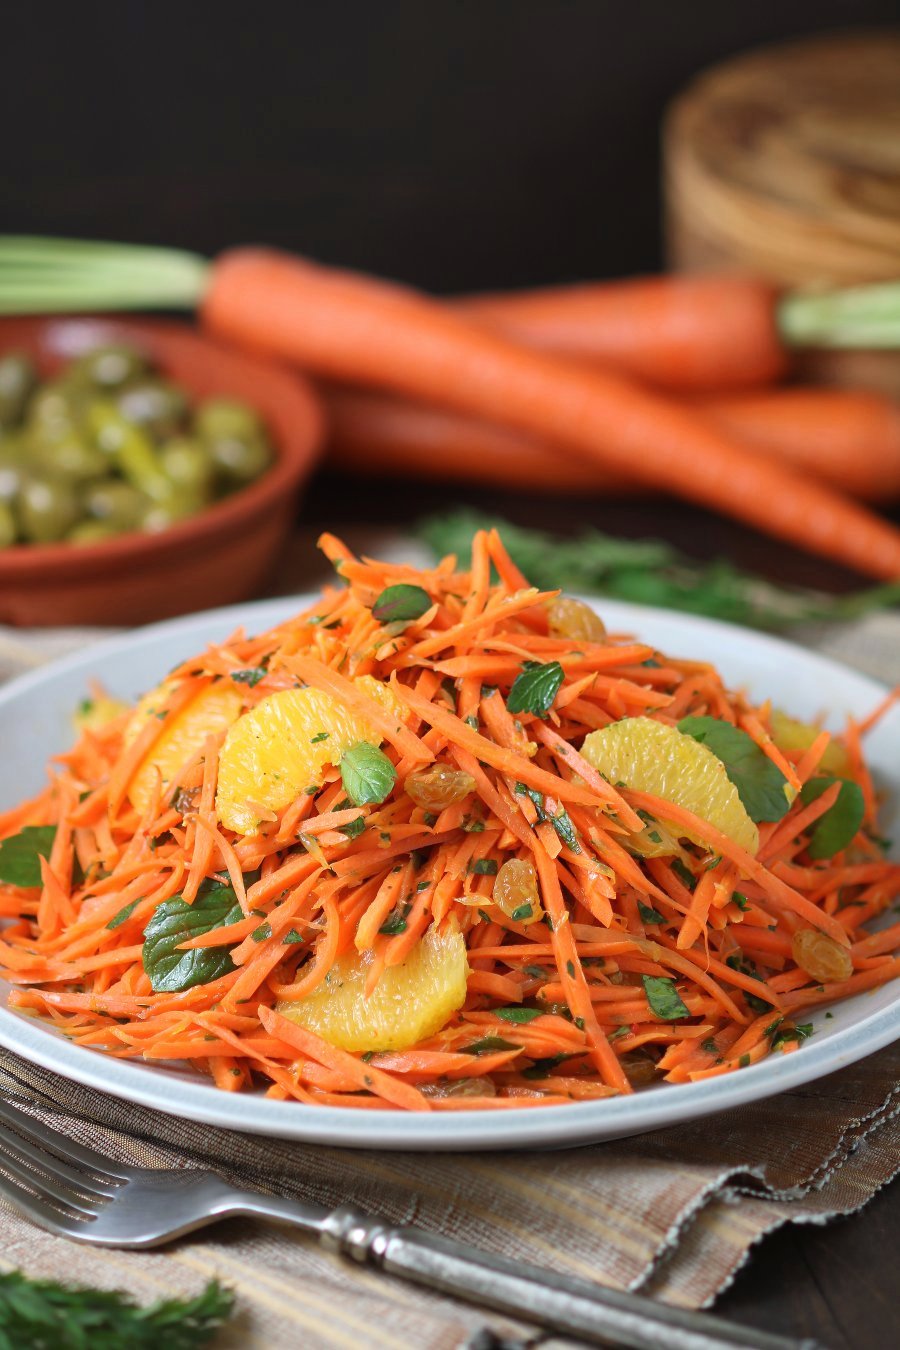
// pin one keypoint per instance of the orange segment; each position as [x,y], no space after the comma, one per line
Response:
[652,757]
[793,737]
[212,711]
[281,747]
[411,1001]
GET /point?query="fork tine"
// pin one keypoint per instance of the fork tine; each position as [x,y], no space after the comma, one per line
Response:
[66,1149]
[41,1214]
[40,1198]
[24,1149]
[47,1187]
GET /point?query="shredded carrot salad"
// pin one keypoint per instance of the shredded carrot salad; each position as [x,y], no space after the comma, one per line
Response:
[462,907]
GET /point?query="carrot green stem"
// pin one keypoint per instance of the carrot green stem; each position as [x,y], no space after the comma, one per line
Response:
[860,316]
[42,275]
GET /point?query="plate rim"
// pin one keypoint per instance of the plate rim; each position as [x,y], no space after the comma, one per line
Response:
[530,1127]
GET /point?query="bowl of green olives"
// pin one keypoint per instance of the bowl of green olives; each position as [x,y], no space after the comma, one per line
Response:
[145,470]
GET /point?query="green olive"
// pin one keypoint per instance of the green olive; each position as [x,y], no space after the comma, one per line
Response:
[189,465]
[224,418]
[110,366]
[115,504]
[18,378]
[92,532]
[238,462]
[8,529]
[130,448]
[156,405]
[161,515]
[52,405]
[12,469]
[48,508]
[70,457]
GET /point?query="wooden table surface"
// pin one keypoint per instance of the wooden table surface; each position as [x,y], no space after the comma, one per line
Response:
[835,1284]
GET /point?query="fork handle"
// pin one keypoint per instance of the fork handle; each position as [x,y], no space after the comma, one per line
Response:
[592,1312]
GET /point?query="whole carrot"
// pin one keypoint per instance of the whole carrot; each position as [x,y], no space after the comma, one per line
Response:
[383,434]
[850,438]
[345,326]
[688,334]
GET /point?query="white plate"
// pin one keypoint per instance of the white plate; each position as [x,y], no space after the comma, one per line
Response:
[35,723]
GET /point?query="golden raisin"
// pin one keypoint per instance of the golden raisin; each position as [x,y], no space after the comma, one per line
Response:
[516,891]
[438,786]
[825,960]
[640,1069]
[461,1087]
[574,619]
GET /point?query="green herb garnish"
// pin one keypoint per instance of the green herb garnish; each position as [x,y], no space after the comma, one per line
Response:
[648,914]
[367,774]
[651,572]
[401,604]
[520,1015]
[251,676]
[20,855]
[760,783]
[664,998]
[45,1315]
[535,689]
[841,822]
[124,913]
[174,922]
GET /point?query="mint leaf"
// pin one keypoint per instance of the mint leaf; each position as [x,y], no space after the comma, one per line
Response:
[124,913]
[760,784]
[535,689]
[353,828]
[367,774]
[20,855]
[486,1044]
[483,867]
[648,914]
[251,676]
[664,998]
[174,922]
[841,822]
[401,604]
[518,1014]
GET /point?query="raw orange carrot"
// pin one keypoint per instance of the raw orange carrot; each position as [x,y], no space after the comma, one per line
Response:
[846,437]
[343,325]
[680,333]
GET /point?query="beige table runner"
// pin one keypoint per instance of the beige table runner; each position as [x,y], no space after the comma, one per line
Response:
[674,1213]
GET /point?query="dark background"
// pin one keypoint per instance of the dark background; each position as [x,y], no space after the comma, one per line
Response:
[454,145]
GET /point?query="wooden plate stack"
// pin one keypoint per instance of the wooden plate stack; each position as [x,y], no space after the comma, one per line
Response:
[786,163]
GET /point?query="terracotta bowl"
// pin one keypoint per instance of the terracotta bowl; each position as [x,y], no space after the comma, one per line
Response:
[214,558]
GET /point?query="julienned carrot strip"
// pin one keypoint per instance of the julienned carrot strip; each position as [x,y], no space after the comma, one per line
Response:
[514,765]
[366,1077]
[781,893]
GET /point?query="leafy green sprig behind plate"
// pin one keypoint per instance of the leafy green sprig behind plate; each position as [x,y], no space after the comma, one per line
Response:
[651,572]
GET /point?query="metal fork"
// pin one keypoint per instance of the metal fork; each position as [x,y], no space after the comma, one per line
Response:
[78,1193]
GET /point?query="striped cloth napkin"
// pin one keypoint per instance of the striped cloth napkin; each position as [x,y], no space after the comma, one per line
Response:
[674,1213]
